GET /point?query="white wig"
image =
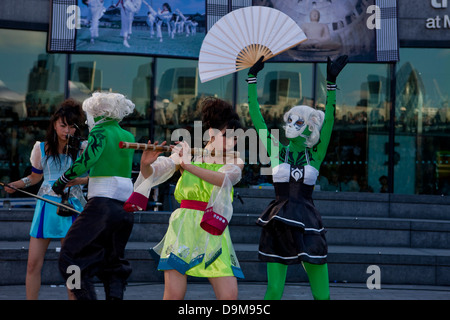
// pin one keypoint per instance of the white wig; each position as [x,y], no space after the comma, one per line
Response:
[110,105]
[313,119]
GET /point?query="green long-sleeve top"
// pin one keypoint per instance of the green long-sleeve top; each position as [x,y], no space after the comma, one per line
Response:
[102,156]
[297,148]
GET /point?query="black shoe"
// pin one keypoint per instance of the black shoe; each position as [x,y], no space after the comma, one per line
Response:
[86,292]
[114,289]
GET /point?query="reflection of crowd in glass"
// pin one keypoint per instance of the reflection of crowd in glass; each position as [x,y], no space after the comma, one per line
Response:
[39,108]
[373,118]
[169,115]
[437,119]
[344,168]
[354,183]
[16,160]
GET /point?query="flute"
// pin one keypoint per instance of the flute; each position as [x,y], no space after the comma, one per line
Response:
[143,146]
[154,147]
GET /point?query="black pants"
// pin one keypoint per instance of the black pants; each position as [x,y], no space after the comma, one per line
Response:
[96,244]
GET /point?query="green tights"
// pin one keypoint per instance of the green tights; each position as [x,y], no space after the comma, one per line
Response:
[317,274]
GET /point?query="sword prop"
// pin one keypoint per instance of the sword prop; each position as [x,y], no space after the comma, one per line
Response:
[41,198]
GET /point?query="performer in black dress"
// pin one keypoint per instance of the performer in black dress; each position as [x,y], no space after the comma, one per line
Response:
[292,231]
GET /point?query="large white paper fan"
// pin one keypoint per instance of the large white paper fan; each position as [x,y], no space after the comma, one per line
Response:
[241,37]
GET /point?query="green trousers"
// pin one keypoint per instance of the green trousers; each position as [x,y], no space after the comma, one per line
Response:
[317,275]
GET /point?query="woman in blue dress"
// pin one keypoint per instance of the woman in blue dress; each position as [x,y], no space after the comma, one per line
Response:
[49,160]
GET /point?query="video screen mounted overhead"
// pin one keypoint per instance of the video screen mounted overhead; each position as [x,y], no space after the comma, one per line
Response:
[365,30]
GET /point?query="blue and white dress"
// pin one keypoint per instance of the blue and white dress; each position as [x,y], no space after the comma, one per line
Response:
[47,224]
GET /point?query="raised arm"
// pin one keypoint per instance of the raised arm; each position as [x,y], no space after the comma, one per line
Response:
[319,151]
[254,110]
[150,8]
[333,69]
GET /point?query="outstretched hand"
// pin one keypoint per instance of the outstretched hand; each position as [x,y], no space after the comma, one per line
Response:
[257,67]
[335,67]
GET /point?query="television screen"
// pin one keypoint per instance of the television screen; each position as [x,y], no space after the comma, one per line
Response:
[175,28]
[365,30]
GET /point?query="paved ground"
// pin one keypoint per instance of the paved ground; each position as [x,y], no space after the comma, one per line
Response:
[251,291]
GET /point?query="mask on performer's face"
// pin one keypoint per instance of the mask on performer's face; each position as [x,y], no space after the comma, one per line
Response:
[296,127]
[303,125]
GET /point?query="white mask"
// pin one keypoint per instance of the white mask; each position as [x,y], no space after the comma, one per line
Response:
[303,121]
[295,125]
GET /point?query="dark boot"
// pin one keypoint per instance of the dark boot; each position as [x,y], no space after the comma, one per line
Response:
[114,289]
[86,292]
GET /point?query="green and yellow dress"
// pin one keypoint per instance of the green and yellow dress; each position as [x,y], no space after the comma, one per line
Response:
[186,247]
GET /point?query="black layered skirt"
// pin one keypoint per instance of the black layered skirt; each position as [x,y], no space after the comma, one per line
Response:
[292,229]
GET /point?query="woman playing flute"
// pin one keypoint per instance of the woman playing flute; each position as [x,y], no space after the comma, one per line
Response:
[197,242]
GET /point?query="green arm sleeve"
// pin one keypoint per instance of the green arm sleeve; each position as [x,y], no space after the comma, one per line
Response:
[258,121]
[94,148]
[96,144]
[319,151]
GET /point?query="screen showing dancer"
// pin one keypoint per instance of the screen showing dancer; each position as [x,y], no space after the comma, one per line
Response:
[364,30]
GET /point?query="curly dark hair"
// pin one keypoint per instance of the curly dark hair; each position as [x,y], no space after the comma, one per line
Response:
[219,114]
[71,113]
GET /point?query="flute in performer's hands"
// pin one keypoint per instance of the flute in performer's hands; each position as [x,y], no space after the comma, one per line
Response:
[150,154]
[162,148]
[145,146]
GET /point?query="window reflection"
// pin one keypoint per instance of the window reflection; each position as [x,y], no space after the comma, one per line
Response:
[422,121]
[179,93]
[130,76]
[31,86]
[357,156]
[167,94]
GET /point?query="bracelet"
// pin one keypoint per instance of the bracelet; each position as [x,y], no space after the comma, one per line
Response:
[26,181]
[251,80]
[331,86]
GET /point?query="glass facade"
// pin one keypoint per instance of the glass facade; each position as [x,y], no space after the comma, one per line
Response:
[31,87]
[130,76]
[422,122]
[357,158]
[178,91]
[391,130]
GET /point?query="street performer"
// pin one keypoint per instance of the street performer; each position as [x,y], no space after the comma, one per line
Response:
[292,229]
[49,159]
[96,241]
[197,242]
